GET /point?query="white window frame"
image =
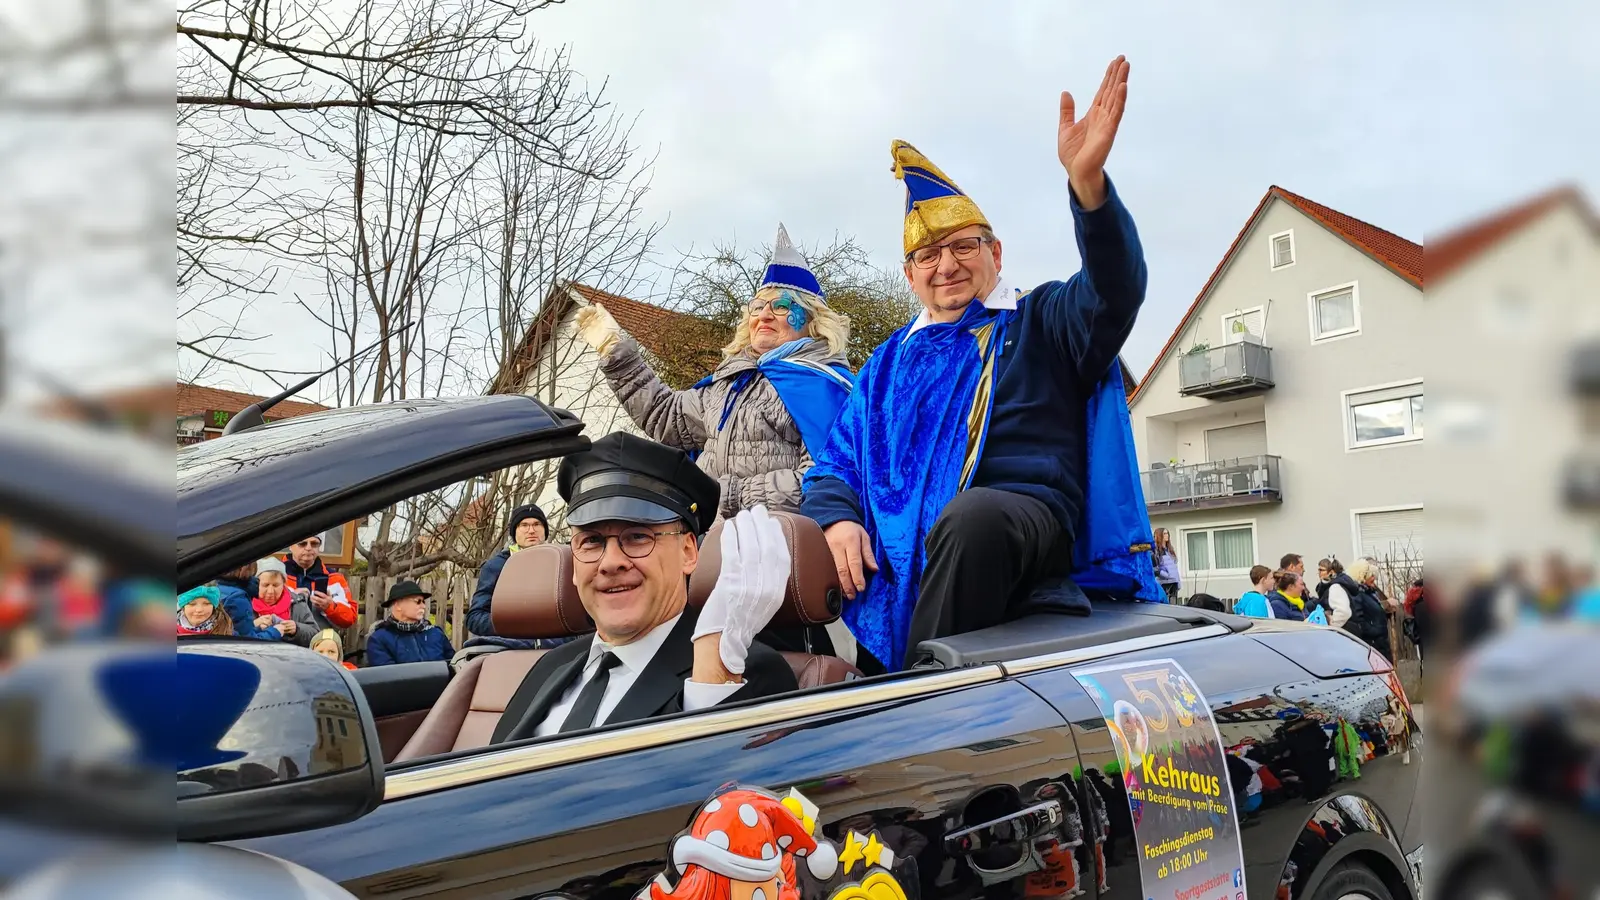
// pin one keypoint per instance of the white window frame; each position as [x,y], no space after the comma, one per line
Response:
[1227,336]
[1182,542]
[1355,308]
[1350,445]
[1355,521]
[1272,256]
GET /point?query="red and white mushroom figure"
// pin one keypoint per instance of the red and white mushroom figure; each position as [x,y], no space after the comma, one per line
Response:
[743,837]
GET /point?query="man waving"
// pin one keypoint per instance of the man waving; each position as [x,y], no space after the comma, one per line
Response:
[958,470]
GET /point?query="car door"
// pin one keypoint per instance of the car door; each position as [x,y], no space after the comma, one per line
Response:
[903,762]
[1275,710]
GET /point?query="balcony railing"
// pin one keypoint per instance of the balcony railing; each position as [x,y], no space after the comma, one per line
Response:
[1225,371]
[1244,481]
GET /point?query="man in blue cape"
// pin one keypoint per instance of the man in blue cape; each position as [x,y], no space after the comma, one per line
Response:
[986,454]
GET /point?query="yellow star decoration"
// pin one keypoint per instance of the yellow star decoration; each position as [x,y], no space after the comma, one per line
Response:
[853,851]
[873,850]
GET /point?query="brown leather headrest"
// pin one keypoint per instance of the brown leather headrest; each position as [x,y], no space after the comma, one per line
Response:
[535,597]
[812,596]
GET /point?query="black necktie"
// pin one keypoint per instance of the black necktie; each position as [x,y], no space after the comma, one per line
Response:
[583,711]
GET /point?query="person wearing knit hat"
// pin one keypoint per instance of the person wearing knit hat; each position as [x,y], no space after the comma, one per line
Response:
[986,448]
[757,421]
[526,527]
[200,612]
[328,643]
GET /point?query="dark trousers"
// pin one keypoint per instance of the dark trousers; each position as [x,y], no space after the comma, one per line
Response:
[987,552]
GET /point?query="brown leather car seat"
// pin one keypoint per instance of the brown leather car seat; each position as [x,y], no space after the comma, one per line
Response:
[534,598]
[812,596]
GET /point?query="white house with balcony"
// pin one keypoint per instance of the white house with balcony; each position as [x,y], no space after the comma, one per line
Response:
[1285,412]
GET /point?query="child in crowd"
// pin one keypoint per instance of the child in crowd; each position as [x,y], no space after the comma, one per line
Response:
[200,612]
[327,643]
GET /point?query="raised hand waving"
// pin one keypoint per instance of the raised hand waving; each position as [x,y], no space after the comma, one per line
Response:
[1083,144]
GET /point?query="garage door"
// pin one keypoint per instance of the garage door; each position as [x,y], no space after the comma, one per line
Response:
[1236,442]
[1393,534]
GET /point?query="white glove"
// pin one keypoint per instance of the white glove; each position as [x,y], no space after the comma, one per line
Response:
[750,587]
[597,328]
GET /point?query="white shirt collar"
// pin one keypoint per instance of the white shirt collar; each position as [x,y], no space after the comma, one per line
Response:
[635,655]
[1002,297]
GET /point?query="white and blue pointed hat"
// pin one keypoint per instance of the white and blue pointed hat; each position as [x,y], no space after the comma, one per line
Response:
[788,268]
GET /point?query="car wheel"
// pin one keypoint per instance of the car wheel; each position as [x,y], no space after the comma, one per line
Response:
[1352,881]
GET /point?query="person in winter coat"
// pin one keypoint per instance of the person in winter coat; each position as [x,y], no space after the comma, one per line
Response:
[526,527]
[757,421]
[1285,598]
[237,590]
[405,635]
[327,643]
[274,599]
[1368,619]
[1254,603]
[322,599]
[1340,587]
[1165,561]
[200,612]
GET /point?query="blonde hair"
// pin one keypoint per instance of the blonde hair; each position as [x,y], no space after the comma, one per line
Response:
[262,576]
[328,634]
[822,322]
[1362,569]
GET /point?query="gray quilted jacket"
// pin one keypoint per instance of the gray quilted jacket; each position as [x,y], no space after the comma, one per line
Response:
[757,455]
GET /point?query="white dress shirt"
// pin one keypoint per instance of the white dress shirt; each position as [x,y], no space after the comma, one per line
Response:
[631,661]
[1002,297]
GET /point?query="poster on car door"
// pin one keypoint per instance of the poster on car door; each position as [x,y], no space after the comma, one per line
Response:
[1185,825]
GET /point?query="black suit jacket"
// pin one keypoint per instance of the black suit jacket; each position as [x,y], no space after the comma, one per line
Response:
[658,691]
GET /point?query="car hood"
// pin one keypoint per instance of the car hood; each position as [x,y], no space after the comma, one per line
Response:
[252,493]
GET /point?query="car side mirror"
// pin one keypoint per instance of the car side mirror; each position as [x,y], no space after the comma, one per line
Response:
[270,738]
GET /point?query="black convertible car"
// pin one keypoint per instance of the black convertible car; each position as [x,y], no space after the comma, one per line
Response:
[1145,751]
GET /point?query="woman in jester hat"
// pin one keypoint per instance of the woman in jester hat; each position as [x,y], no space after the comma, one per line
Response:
[759,418]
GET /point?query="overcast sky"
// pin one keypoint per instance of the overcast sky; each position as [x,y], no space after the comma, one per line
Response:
[1411,116]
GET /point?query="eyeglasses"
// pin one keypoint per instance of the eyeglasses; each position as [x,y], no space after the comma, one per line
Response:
[780,307]
[961,248]
[636,543]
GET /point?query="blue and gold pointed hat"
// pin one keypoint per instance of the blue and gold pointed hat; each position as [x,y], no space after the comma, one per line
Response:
[789,268]
[935,207]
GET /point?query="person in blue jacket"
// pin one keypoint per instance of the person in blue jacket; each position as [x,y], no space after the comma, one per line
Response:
[1285,599]
[237,589]
[527,527]
[405,635]
[986,455]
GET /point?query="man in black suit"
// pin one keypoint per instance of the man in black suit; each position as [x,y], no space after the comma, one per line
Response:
[637,509]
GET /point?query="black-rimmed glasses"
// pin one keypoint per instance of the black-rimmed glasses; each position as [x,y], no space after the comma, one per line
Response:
[636,543]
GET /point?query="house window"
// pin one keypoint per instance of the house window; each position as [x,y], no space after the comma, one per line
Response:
[1388,415]
[1282,245]
[1244,324]
[1335,312]
[1220,550]
[1392,536]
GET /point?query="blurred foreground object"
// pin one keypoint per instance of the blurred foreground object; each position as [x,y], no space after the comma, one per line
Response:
[176,872]
[1516,781]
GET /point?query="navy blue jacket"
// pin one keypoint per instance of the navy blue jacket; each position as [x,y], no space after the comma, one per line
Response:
[1060,342]
[387,645]
[236,597]
[1283,609]
[479,620]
